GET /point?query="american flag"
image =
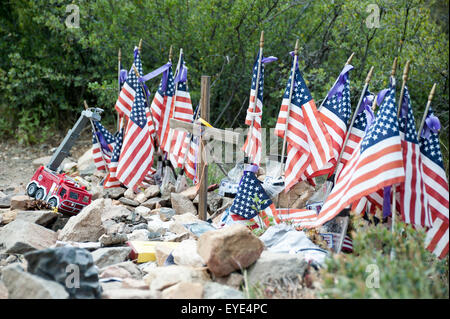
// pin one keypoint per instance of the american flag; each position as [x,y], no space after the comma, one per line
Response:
[335,114]
[436,186]
[253,148]
[377,162]
[105,146]
[161,108]
[136,156]
[413,199]
[182,111]
[246,204]
[128,92]
[111,179]
[296,131]
[192,158]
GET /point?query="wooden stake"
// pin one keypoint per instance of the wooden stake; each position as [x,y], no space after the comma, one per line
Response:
[422,123]
[250,145]
[203,166]
[394,67]
[140,46]
[350,58]
[289,107]
[170,54]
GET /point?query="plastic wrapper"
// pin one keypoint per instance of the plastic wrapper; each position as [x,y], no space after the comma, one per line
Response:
[229,185]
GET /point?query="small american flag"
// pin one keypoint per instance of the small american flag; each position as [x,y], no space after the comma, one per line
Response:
[111,179]
[377,162]
[413,199]
[252,200]
[161,108]
[436,186]
[136,156]
[105,146]
[253,148]
[335,114]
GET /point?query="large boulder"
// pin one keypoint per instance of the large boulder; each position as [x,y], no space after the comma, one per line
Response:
[182,204]
[109,256]
[5,201]
[160,278]
[20,236]
[23,285]
[40,217]
[190,192]
[115,192]
[7,216]
[85,164]
[115,212]
[87,225]
[228,249]
[276,266]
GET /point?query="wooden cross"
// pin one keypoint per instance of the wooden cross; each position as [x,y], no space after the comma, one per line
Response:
[206,135]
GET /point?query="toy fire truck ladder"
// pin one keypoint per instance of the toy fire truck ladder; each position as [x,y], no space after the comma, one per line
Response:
[63,149]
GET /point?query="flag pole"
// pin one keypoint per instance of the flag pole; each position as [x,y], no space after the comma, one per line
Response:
[261,45]
[430,97]
[400,100]
[140,46]
[289,107]
[355,114]
[96,137]
[349,60]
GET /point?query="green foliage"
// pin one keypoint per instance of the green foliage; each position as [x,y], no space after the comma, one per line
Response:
[47,66]
[412,273]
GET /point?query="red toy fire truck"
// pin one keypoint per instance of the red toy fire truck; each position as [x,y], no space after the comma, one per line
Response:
[57,189]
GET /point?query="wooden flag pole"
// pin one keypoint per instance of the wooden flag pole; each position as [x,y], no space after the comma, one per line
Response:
[170,53]
[400,99]
[261,45]
[430,97]
[355,114]
[349,60]
[289,107]
[140,46]
[96,137]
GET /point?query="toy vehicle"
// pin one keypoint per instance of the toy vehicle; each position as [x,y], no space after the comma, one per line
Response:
[60,190]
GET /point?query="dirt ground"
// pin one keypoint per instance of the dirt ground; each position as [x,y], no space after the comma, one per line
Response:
[16,168]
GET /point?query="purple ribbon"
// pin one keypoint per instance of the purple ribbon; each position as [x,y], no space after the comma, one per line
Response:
[338,88]
[136,52]
[269,59]
[366,107]
[162,69]
[386,201]
[251,168]
[123,75]
[381,95]
[181,76]
[431,124]
[102,141]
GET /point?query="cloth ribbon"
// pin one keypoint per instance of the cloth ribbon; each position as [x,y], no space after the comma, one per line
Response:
[386,201]
[366,107]
[251,168]
[102,141]
[181,76]
[162,69]
[269,59]
[123,75]
[404,108]
[431,124]
[338,88]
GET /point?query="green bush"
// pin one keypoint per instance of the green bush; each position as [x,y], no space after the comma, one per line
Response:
[412,273]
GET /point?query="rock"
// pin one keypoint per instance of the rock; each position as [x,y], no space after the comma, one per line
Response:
[131,268]
[153,202]
[228,249]
[160,278]
[152,191]
[40,217]
[122,293]
[214,201]
[41,161]
[5,201]
[139,226]
[113,239]
[183,290]
[143,211]
[112,227]
[275,266]
[171,237]
[115,212]
[140,198]
[166,213]
[85,164]
[22,285]
[60,222]
[109,256]
[182,204]
[3,291]
[20,202]
[178,221]
[20,236]
[129,194]
[162,251]
[114,271]
[234,280]
[131,283]
[115,192]
[87,225]
[297,196]
[8,217]
[156,225]
[129,202]
[67,167]
[97,192]
[190,192]
[139,235]
[213,290]
[186,254]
